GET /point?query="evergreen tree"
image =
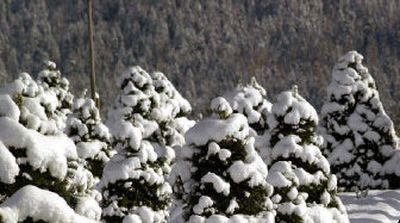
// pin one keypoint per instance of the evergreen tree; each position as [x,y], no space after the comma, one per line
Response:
[222,175]
[300,174]
[35,152]
[360,137]
[146,121]
[55,85]
[92,138]
[50,78]
[250,100]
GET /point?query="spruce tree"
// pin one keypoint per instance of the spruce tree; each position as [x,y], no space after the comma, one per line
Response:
[146,121]
[251,101]
[222,175]
[92,138]
[51,79]
[299,172]
[360,137]
[35,152]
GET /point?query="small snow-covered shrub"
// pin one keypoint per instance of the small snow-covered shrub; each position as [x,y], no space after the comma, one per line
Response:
[361,144]
[221,175]
[299,173]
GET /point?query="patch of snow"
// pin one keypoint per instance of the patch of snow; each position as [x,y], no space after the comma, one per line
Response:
[39,204]
[206,130]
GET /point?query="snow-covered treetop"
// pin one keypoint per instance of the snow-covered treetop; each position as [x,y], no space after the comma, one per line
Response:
[152,104]
[151,93]
[87,119]
[250,100]
[292,114]
[91,136]
[50,78]
[235,126]
[37,107]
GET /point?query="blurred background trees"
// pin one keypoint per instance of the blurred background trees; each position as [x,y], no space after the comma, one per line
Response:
[206,47]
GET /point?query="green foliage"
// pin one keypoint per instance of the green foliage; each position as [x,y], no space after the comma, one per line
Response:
[251,198]
[30,220]
[135,193]
[292,218]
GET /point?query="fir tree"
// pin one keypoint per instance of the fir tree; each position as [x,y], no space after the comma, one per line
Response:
[146,121]
[299,172]
[222,175]
[360,137]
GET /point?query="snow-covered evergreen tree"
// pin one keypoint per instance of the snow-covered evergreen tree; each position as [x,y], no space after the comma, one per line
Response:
[304,188]
[56,87]
[35,152]
[50,78]
[146,122]
[360,137]
[92,138]
[222,175]
[250,100]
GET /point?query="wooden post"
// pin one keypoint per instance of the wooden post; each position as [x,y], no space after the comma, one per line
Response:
[92,54]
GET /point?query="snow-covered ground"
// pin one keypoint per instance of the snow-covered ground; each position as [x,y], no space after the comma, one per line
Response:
[378,206]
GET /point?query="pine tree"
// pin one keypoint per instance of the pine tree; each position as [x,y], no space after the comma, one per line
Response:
[360,137]
[146,121]
[35,152]
[92,138]
[299,172]
[222,175]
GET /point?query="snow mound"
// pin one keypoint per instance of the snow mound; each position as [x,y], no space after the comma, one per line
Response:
[38,204]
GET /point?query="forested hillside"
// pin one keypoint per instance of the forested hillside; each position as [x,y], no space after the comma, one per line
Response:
[206,47]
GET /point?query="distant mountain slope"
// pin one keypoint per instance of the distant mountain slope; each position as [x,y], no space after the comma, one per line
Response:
[206,47]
